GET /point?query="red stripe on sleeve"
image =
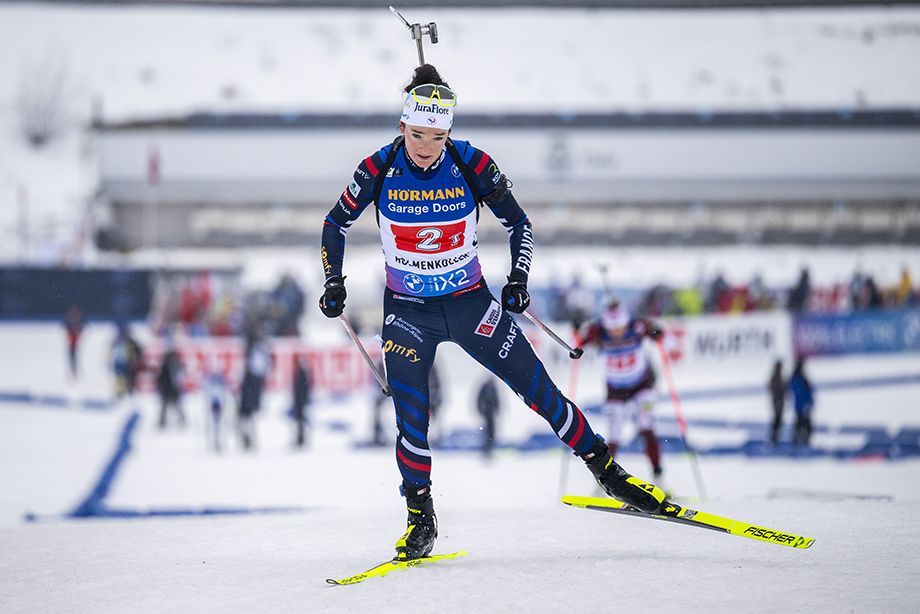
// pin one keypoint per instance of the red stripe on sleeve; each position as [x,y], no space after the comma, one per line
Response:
[369,161]
[581,429]
[416,466]
[482,163]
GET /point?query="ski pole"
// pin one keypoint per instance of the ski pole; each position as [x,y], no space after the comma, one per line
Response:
[681,422]
[602,267]
[351,333]
[573,388]
[574,353]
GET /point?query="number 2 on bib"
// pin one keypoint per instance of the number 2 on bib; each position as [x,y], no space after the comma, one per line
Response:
[429,237]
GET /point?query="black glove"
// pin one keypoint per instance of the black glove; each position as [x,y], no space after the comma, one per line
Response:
[515,297]
[653,330]
[332,302]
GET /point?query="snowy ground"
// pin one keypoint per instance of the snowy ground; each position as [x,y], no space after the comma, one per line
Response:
[546,559]
[527,551]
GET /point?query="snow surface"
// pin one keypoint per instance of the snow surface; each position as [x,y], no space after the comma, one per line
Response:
[527,550]
[547,559]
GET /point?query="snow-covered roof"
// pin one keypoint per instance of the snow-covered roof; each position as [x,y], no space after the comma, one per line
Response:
[150,61]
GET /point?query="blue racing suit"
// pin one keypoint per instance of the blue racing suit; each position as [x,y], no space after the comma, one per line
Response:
[436,292]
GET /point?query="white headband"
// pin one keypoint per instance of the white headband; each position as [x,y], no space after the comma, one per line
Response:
[427,115]
[617,317]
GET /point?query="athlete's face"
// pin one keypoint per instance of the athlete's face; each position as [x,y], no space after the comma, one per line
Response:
[424,145]
[617,333]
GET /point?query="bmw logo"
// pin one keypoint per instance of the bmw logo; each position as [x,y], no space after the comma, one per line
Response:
[389,319]
[454,170]
[414,283]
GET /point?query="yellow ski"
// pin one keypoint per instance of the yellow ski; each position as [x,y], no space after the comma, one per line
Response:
[385,568]
[687,516]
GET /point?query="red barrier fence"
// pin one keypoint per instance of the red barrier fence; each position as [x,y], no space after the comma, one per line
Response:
[334,370]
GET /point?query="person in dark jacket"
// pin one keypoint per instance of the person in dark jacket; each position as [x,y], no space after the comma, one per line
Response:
[778,396]
[804,401]
[169,385]
[302,390]
[258,363]
[73,323]
[798,298]
[488,405]
[127,357]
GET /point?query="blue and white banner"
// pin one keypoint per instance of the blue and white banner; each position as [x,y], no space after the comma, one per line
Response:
[871,331]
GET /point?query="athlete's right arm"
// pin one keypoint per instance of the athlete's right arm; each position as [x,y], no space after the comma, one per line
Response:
[592,334]
[353,201]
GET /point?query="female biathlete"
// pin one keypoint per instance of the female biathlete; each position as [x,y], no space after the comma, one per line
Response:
[630,379]
[427,189]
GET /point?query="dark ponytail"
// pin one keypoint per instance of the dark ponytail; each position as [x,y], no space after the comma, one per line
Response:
[426,73]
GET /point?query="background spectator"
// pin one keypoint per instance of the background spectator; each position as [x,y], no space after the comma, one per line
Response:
[804,401]
[169,385]
[488,406]
[777,386]
[301,395]
[216,394]
[288,300]
[73,323]
[257,357]
[798,298]
[127,361]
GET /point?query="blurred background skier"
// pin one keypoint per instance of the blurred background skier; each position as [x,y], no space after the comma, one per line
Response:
[629,375]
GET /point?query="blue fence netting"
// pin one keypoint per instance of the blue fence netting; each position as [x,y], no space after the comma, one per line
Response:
[37,294]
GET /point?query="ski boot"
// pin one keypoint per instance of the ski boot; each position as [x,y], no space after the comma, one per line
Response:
[619,484]
[421,526]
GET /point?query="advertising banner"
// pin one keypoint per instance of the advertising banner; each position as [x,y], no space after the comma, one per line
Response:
[728,339]
[857,333]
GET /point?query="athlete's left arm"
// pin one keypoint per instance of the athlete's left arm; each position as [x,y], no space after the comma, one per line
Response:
[647,328]
[495,191]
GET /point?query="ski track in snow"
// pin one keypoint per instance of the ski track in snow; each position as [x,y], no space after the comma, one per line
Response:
[527,551]
[543,559]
